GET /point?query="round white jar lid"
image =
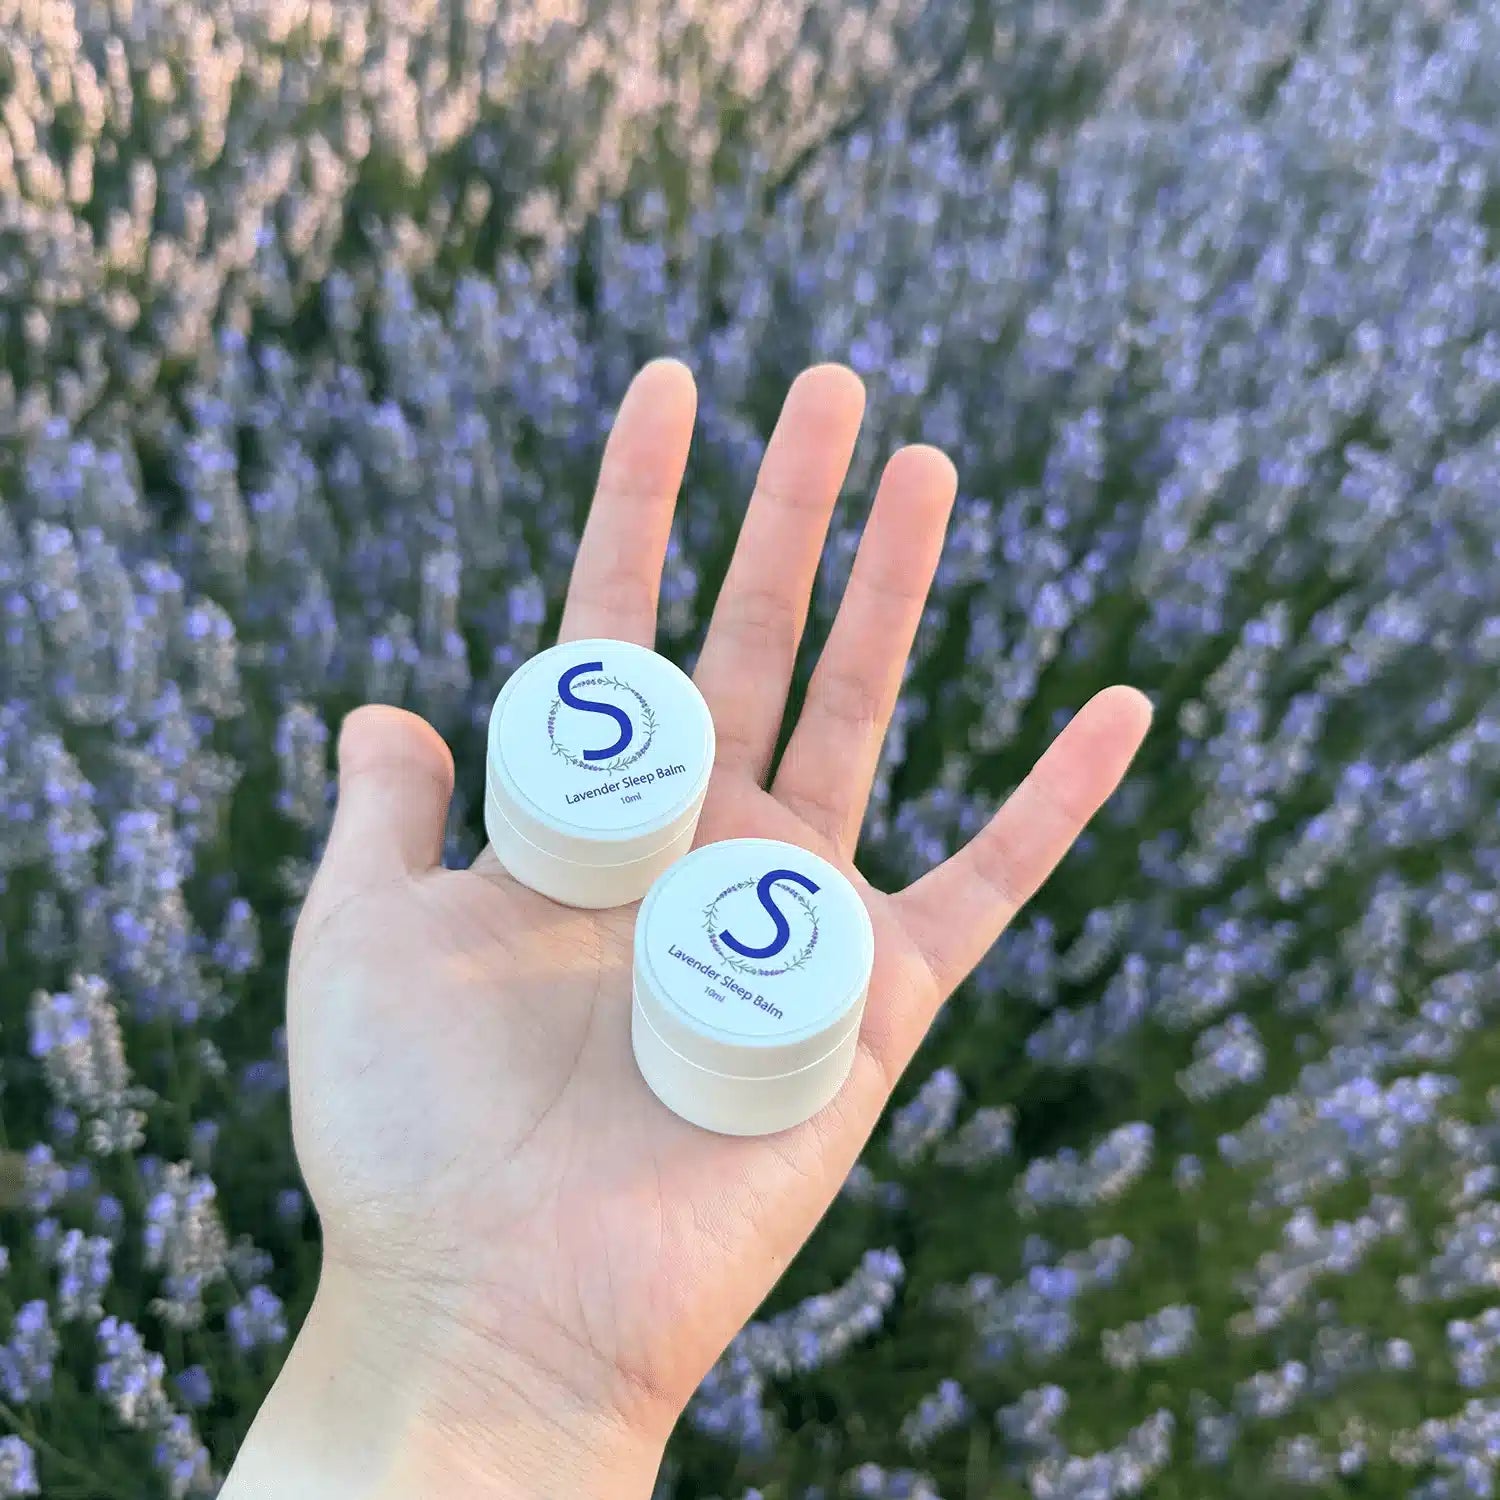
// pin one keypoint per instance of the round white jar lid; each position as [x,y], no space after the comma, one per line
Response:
[752,958]
[600,751]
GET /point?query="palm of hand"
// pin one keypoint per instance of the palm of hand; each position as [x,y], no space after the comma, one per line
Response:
[467,1111]
[473,1114]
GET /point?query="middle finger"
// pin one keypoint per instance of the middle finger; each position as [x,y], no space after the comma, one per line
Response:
[745,667]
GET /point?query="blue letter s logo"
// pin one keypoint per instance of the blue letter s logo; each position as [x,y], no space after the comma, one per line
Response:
[565,692]
[783,932]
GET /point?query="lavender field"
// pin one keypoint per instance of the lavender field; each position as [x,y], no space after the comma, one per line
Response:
[315,314]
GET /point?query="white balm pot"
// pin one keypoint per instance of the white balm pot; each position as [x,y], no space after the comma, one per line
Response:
[752,963]
[599,758]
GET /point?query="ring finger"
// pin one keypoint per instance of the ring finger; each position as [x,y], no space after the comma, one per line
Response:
[829,764]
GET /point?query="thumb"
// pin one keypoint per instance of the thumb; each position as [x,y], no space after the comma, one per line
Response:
[395,782]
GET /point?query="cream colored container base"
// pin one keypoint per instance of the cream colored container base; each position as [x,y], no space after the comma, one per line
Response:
[738,1106]
[592,887]
[752,961]
[599,757]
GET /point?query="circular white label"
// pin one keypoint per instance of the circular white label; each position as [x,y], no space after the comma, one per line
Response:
[604,736]
[758,939]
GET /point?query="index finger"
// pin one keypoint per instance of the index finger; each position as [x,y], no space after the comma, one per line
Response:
[617,572]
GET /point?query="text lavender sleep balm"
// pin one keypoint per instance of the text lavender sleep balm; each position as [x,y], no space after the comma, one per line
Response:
[599,757]
[752,962]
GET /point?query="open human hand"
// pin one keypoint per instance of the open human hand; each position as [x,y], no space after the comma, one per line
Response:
[529,1263]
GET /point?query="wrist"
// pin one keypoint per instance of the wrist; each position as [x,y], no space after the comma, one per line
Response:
[374,1405]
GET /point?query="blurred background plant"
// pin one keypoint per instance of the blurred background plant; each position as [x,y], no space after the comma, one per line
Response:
[315,313]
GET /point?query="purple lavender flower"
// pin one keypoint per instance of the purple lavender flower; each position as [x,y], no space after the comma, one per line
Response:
[84,1271]
[257,1321]
[26,1358]
[18,1475]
